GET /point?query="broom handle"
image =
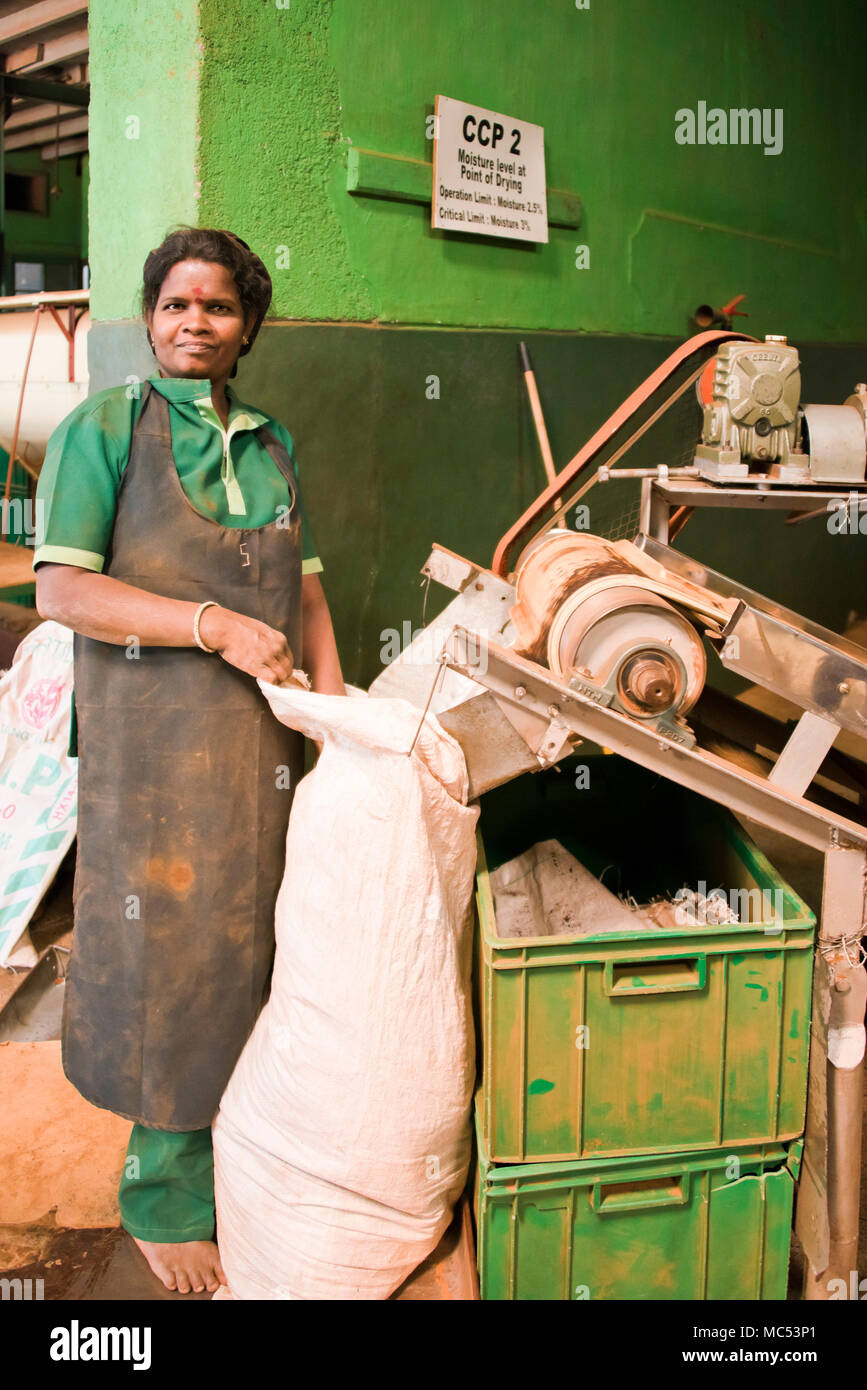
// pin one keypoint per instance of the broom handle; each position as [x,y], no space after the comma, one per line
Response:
[538,417]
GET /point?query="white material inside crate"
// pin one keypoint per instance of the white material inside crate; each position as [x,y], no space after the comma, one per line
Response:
[546,891]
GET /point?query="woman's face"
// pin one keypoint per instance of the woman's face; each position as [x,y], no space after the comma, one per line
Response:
[198,323]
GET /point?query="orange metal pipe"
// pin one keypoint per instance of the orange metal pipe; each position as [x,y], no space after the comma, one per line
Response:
[39,309]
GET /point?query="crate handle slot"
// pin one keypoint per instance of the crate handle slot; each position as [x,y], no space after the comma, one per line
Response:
[673,975]
[672,1190]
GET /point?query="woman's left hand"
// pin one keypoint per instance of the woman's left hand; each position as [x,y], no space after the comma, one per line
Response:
[248,644]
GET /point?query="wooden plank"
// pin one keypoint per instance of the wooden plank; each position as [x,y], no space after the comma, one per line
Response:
[370,174]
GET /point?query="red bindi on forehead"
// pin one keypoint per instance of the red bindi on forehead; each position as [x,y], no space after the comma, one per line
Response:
[197,291]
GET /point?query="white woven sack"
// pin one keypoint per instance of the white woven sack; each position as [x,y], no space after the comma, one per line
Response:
[38,781]
[343,1141]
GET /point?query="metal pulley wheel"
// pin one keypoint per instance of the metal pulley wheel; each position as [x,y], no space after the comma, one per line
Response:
[634,641]
[586,610]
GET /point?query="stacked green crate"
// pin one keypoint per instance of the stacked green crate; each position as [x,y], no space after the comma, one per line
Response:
[712,1225]
[674,1059]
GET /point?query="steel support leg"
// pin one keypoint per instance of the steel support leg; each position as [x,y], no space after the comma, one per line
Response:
[834,1130]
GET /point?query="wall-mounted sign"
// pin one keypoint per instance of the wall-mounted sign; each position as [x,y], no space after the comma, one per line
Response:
[489,173]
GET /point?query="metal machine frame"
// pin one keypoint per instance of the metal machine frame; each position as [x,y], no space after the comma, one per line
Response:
[662,496]
[511,716]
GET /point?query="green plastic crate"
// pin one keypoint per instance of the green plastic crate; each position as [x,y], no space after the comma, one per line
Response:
[650,1042]
[680,1226]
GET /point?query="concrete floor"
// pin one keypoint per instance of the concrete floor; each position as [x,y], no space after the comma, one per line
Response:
[103,1264]
[61,1160]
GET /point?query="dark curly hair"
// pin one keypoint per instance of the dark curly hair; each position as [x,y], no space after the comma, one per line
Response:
[224,248]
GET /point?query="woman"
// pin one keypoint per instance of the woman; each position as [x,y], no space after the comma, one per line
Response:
[176,548]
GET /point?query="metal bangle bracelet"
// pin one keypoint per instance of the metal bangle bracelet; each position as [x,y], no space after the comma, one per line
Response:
[209,603]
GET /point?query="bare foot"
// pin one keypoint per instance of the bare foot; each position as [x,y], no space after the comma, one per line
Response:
[184,1265]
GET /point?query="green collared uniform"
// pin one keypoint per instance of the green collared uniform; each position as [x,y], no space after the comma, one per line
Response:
[166,1191]
[224,473]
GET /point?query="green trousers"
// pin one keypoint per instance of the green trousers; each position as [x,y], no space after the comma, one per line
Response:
[166,1192]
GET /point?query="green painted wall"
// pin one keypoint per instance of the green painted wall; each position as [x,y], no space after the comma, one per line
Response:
[144,70]
[273,172]
[605,83]
[285,92]
[60,233]
[280,95]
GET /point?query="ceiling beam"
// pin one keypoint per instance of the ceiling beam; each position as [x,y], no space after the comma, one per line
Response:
[24,58]
[65,147]
[25,116]
[66,93]
[30,20]
[54,51]
[27,138]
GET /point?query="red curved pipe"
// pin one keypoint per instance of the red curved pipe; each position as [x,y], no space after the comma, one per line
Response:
[614,422]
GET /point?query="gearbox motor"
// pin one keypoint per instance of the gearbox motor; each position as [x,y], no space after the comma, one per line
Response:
[755,429]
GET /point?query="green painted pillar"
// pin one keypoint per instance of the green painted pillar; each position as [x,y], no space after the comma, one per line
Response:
[144,131]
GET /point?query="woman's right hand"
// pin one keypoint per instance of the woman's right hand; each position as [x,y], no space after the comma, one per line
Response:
[247,643]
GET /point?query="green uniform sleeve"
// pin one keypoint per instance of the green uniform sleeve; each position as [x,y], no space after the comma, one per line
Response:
[310,561]
[76,495]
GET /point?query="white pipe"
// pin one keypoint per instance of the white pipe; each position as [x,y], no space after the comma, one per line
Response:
[29,301]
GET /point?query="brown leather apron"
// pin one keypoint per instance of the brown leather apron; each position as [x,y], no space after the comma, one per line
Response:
[183,806]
